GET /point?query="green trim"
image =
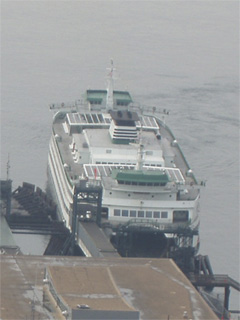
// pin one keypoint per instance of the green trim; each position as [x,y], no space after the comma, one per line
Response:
[140,176]
[119,96]
[94,99]
[95,95]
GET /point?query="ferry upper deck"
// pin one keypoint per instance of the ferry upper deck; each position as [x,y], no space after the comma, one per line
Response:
[88,134]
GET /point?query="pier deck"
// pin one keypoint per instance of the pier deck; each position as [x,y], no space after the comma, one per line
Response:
[154,287]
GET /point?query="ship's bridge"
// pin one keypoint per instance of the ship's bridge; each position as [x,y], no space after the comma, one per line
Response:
[97,99]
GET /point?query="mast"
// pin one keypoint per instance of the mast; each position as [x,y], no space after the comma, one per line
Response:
[139,165]
[141,152]
[8,167]
[110,87]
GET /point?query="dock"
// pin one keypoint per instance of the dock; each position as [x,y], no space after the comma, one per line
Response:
[43,281]
[44,287]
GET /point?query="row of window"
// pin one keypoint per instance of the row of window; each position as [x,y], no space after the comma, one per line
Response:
[134,183]
[95,101]
[119,103]
[178,215]
[127,164]
[140,214]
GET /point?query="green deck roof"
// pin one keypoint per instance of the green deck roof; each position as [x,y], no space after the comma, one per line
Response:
[123,96]
[94,95]
[140,176]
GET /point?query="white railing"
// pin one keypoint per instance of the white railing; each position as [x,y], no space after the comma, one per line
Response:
[68,105]
[147,223]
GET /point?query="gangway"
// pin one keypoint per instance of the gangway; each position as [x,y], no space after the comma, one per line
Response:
[216,280]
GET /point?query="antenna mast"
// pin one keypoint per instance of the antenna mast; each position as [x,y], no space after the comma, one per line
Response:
[139,165]
[141,151]
[110,87]
[8,167]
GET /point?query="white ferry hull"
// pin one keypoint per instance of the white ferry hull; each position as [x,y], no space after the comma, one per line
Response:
[149,196]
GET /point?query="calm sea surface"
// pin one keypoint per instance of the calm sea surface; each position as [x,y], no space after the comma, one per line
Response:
[179,55]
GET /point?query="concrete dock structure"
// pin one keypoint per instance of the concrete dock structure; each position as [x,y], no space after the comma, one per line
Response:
[50,287]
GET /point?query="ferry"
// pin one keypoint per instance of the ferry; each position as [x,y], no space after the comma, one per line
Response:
[116,164]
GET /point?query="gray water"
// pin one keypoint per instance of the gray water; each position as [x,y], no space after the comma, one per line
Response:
[179,55]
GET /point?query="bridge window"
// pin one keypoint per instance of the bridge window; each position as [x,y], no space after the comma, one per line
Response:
[148,214]
[164,214]
[180,215]
[125,213]
[133,213]
[121,103]
[116,213]
[156,214]
[140,214]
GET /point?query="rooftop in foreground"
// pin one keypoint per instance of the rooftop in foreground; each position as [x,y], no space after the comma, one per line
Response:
[154,288]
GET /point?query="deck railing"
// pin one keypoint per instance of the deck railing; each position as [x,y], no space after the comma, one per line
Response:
[183,228]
